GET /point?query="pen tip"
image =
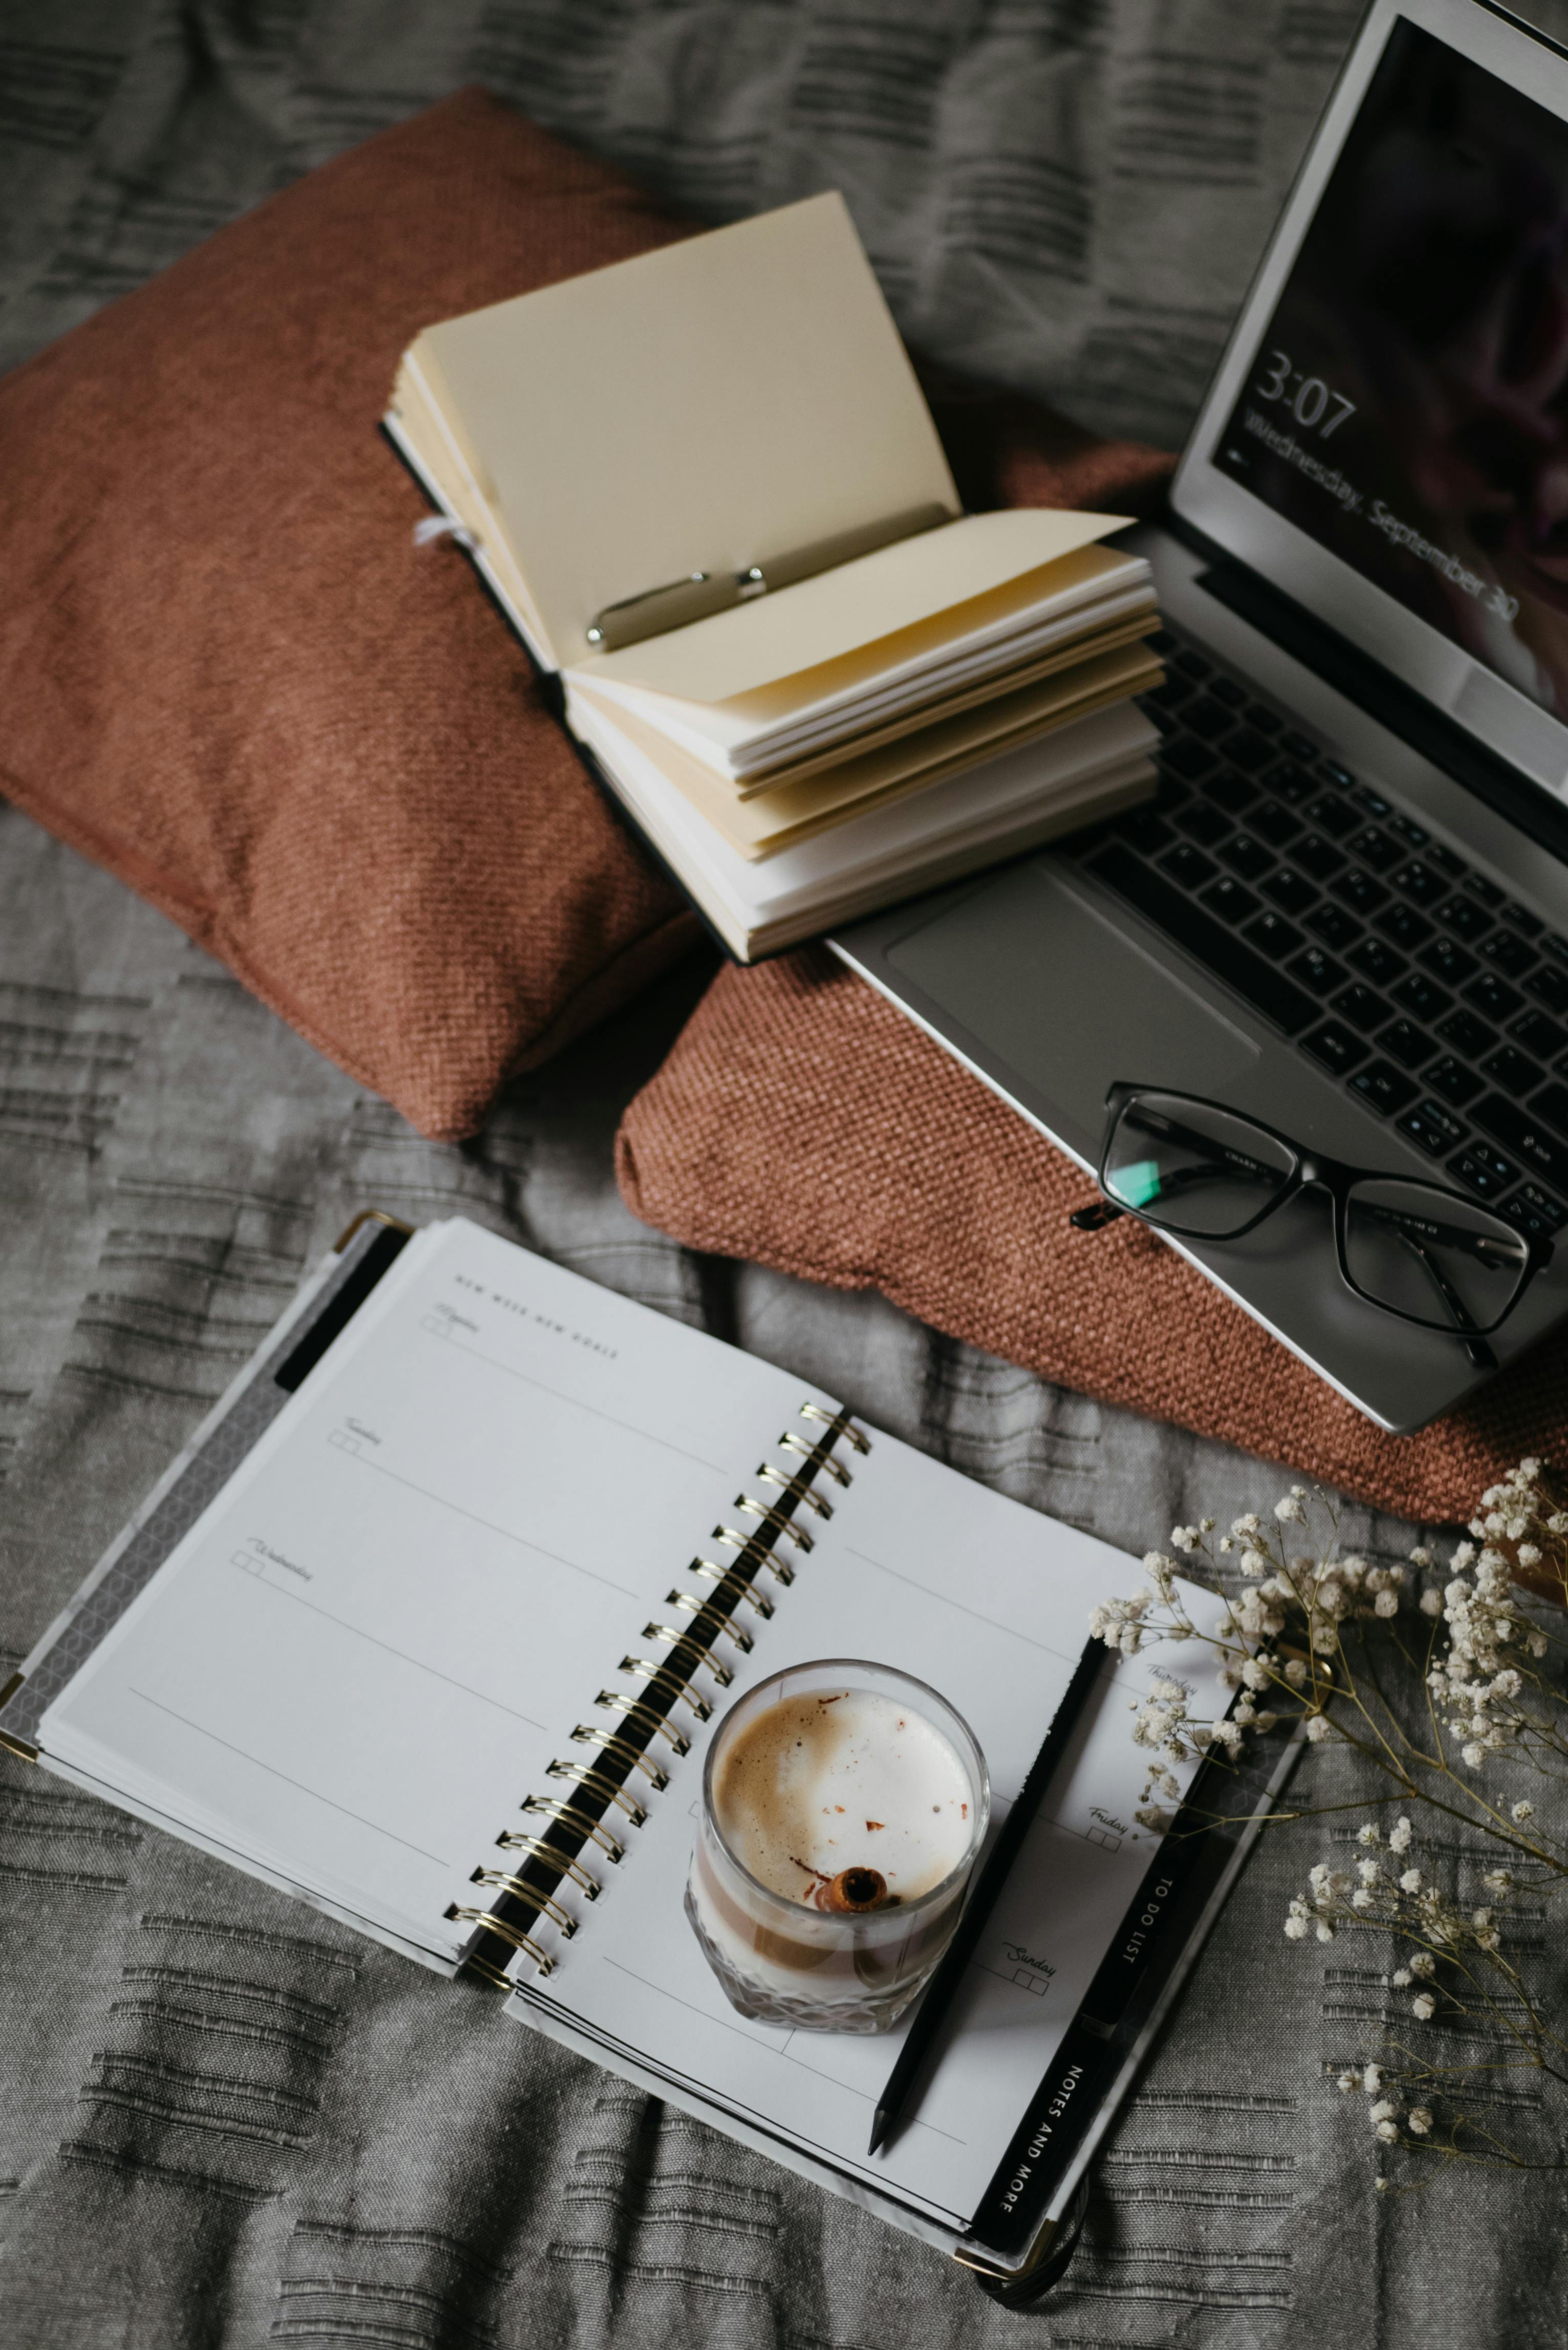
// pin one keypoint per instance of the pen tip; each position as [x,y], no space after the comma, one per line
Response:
[879,2128]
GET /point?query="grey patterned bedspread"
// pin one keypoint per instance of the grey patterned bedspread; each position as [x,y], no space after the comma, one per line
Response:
[225,2123]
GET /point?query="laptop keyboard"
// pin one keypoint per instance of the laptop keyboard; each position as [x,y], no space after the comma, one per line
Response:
[1441,1003]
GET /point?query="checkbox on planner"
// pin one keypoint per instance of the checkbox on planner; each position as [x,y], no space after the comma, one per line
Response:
[437,1325]
[344,1442]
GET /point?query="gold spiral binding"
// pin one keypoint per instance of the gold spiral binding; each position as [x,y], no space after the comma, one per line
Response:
[538,1850]
[646,1668]
[806,1493]
[712,1572]
[841,1422]
[587,1733]
[566,1925]
[658,1724]
[771,1514]
[836,1469]
[506,1933]
[690,1605]
[776,1523]
[571,1818]
[598,1784]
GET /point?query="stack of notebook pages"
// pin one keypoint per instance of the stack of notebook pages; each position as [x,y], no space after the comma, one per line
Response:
[706,490]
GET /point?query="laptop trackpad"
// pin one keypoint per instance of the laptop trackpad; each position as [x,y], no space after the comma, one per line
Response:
[1065,998]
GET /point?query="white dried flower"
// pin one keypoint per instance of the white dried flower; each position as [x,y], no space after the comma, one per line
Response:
[1370,1833]
[1368,1871]
[1424,1964]
[1401,1979]
[1421,2121]
[1497,1881]
[1318,1728]
[1473,1754]
[1421,1555]
[1385,1604]
[1529,1555]
[1400,1836]
[1431,1601]
[1324,1930]
[1350,2079]
[1411,1881]
[1389,2133]
[1295,1929]
[1372,2079]
[1289,1511]
[1424,2006]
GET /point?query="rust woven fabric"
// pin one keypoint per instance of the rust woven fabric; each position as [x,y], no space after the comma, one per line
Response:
[227,674]
[803,1121]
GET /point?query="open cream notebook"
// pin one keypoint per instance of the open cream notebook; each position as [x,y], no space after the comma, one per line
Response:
[476,1548]
[704,486]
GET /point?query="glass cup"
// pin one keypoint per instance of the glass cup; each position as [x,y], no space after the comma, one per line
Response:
[848,1951]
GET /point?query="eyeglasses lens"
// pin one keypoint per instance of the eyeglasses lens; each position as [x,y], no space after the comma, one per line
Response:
[1192,1169]
[1433,1258]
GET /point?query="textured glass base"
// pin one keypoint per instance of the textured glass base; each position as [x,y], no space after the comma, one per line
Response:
[762,2004]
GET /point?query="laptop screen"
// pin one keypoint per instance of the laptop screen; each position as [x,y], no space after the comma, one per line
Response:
[1407,404]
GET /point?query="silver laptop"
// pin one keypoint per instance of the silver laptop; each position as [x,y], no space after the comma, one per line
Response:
[1344,918]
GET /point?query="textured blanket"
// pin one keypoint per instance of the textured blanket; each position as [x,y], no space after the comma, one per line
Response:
[225,2122]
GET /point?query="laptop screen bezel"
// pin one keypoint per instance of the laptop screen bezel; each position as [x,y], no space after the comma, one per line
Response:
[1243,526]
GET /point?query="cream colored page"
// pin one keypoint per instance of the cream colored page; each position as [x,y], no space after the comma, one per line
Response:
[370,1648]
[732,398]
[798,629]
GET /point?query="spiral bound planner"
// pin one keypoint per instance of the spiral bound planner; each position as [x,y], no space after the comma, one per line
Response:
[430,1624]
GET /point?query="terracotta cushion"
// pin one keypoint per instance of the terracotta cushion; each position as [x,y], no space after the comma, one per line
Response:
[227,674]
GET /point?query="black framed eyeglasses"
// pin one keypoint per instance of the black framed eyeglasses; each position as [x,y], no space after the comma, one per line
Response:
[1202,1171]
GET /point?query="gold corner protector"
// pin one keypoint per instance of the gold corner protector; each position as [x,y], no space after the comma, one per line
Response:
[16,1746]
[369,1216]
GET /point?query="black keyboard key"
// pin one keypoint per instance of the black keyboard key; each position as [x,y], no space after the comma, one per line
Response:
[1374,848]
[1317,970]
[1404,925]
[1192,662]
[1170,793]
[1230,901]
[1404,1043]
[1267,722]
[1206,718]
[1298,746]
[1145,831]
[1161,642]
[1506,953]
[1363,1008]
[1550,944]
[1373,802]
[1493,996]
[1226,690]
[1317,857]
[1552,1106]
[1272,936]
[1376,962]
[1422,996]
[1336,773]
[1431,1125]
[1445,861]
[1538,1034]
[1520,918]
[1453,1080]
[1334,926]
[1202,823]
[1486,1171]
[1541,1152]
[1164,719]
[1448,961]
[1464,918]
[1190,867]
[1487,892]
[1467,1034]
[1231,791]
[1291,783]
[1275,824]
[1359,890]
[1188,758]
[1537,1214]
[1512,1071]
[1332,815]
[1247,749]
[1169,695]
[1406,828]
[1289,891]
[1551,986]
[1208,942]
[1420,883]
[1246,857]
[1335,1047]
[1383,1086]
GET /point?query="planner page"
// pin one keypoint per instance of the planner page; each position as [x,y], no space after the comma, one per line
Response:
[367,1652]
[989,1602]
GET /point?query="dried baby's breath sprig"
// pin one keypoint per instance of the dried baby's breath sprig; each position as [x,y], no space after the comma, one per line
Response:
[1450,1691]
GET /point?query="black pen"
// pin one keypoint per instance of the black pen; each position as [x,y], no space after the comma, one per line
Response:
[933,2007]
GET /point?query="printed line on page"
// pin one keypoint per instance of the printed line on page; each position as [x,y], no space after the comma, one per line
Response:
[558,1395]
[273,1772]
[489,1524]
[282,1592]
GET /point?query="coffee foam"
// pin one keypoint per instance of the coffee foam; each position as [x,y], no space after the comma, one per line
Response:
[844,1779]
